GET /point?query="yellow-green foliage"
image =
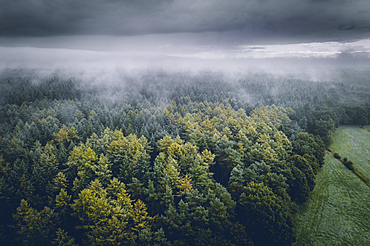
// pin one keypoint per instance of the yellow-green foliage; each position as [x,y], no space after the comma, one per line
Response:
[258,131]
[108,215]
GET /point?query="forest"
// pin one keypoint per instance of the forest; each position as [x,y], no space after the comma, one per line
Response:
[166,158]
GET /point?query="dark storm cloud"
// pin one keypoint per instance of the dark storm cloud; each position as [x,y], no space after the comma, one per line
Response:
[134,17]
[71,17]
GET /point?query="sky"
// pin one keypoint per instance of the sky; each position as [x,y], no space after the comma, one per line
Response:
[46,18]
[235,35]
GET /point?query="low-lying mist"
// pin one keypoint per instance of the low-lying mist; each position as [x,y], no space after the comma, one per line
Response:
[309,61]
[151,66]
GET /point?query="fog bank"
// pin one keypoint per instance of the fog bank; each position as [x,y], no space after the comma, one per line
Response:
[135,56]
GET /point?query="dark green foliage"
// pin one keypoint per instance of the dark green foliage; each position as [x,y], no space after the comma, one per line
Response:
[299,189]
[33,227]
[313,162]
[258,172]
[62,239]
[228,156]
[203,219]
[135,189]
[151,198]
[305,143]
[266,215]
[167,159]
[303,165]
[348,164]
[336,155]
[20,90]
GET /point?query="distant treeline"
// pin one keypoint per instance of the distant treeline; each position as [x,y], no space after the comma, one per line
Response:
[19,90]
[164,159]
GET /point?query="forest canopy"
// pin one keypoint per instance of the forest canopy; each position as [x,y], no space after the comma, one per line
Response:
[164,159]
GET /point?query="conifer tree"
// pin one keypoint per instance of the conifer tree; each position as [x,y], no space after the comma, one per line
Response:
[266,216]
[299,189]
[151,197]
[302,164]
[33,227]
[62,239]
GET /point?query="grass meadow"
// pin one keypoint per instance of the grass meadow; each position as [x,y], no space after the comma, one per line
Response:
[338,211]
[353,143]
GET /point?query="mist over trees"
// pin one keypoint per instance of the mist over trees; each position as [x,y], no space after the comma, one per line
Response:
[165,158]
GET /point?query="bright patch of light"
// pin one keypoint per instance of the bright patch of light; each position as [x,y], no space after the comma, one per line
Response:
[300,50]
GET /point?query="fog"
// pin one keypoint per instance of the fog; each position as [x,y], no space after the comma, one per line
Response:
[104,40]
[104,59]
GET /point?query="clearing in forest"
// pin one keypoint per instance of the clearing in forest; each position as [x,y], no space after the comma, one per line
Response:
[338,211]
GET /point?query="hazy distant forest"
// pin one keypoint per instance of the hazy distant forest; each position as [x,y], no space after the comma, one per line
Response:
[166,158]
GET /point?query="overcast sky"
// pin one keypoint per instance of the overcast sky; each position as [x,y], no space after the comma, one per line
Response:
[326,18]
[181,29]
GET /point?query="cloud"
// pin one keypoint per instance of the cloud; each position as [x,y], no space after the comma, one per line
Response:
[251,18]
[312,60]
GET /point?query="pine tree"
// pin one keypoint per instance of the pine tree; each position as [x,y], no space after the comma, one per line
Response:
[135,188]
[237,175]
[151,197]
[59,182]
[299,189]
[102,170]
[33,227]
[62,202]
[106,214]
[62,135]
[266,215]
[62,239]
[302,164]
[159,238]
[141,168]
[145,237]
[140,217]
[172,173]
[125,171]
[168,198]
[184,185]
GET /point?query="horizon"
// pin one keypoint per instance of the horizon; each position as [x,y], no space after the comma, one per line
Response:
[309,37]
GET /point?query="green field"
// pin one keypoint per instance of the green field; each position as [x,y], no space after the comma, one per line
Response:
[353,143]
[338,211]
